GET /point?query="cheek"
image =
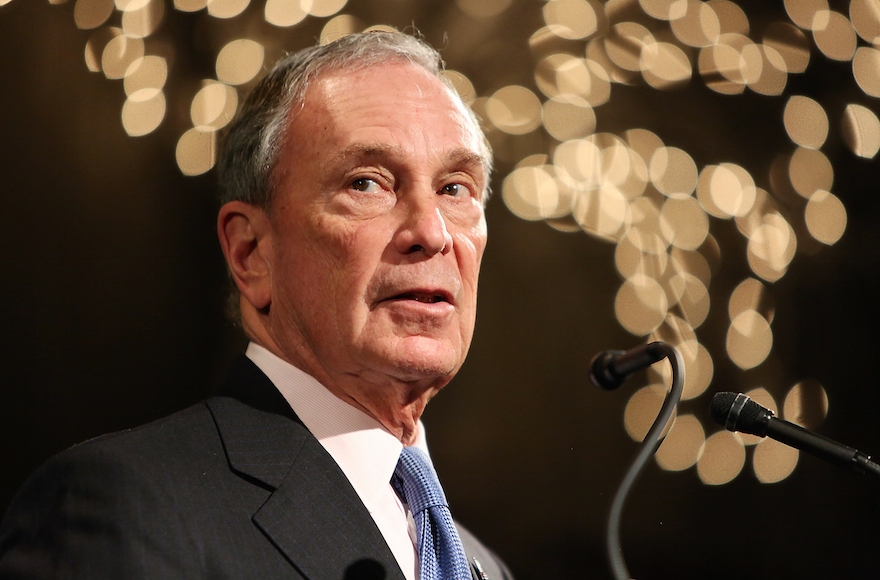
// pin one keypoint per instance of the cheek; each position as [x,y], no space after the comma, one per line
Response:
[350,257]
[343,249]
[469,251]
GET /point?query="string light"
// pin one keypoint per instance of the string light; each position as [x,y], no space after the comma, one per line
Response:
[649,198]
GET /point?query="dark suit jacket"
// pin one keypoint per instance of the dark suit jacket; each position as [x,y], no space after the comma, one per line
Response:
[235,487]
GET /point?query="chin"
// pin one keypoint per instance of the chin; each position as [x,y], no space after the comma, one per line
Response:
[423,359]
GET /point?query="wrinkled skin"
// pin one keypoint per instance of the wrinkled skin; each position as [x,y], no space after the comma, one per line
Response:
[364,273]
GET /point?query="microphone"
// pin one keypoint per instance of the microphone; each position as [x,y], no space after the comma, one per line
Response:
[738,412]
[611,368]
[608,370]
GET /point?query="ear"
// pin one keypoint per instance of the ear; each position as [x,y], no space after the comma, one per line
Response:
[245,236]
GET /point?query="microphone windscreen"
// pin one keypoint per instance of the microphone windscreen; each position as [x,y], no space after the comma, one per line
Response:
[721,404]
[747,420]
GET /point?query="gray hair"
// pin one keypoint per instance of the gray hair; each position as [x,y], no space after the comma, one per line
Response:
[250,149]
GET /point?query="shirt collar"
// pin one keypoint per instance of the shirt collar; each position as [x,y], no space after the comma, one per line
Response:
[363,448]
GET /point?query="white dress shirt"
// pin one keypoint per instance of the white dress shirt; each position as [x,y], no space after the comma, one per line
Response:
[365,450]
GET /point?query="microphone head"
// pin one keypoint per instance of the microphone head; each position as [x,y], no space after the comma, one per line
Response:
[721,404]
[737,412]
[601,370]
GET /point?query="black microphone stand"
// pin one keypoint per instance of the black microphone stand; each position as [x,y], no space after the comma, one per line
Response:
[649,446]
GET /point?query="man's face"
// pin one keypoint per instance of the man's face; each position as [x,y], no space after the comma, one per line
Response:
[377,229]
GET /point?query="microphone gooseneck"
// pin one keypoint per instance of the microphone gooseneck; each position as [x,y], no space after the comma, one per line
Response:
[608,370]
[738,412]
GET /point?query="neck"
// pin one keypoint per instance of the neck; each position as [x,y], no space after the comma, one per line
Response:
[396,404]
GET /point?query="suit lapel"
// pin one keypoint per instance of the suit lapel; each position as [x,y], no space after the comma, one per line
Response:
[313,515]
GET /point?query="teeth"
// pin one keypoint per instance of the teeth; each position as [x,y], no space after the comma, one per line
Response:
[422,298]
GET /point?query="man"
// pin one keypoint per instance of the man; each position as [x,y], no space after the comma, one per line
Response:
[353,227]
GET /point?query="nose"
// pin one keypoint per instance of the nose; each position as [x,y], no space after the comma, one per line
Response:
[423,229]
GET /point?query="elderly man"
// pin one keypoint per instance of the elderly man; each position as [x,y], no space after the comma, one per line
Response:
[353,227]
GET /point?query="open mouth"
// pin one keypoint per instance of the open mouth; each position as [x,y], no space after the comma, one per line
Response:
[427,298]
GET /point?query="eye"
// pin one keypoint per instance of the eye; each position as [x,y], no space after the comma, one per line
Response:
[454,189]
[365,185]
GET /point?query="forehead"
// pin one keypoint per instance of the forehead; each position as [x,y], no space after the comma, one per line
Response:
[396,103]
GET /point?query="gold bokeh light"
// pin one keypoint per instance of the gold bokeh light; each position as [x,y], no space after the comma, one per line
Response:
[515,110]
[806,404]
[640,305]
[773,461]
[572,19]
[865,65]
[325,8]
[89,14]
[213,106]
[834,35]
[240,61]
[665,66]
[143,19]
[865,16]
[683,222]
[569,117]
[791,44]
[697,25]
[95,46]
[751,294]
[339,26]
[860,129]
[722,459]
[749,339]
[803,12]
[657,202]
[683,445]
[805,122]
[810,170]
[143,111]
[732,18]
[227,8]
[119,54]
[771,247]
[285,13]
[190,5]
[825,217]
[642,409]
[149,72]
[196,151]
[531,193]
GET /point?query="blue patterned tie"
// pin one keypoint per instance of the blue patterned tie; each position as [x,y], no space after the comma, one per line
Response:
[441,555]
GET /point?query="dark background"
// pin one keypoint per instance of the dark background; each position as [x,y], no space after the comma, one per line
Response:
[111,310]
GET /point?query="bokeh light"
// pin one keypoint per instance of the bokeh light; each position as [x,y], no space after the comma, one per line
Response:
[515,110]
[227,8]
[285,13]
[119,54]
[773,461]
[683,444]
[860,129]
[213,106]
[805,122]
[143,18]
[722,459]
[240,61]
[642,409]
[89,14]
[196,151]
[661,204]
[825,217]
[749,339]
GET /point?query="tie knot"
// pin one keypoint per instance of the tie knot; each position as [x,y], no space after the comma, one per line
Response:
[417,481]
